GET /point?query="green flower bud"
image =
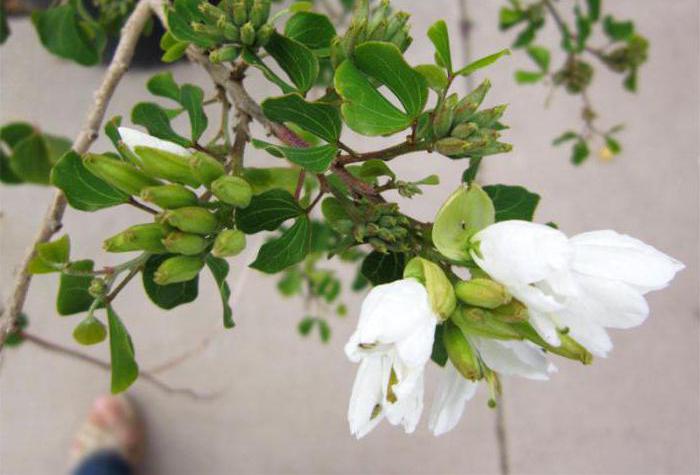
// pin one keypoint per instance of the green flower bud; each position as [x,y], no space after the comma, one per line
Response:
[396,23]
[471,102]
[481,322]
[492,149]
[461,353]
[231,32]
[378,245]
[248,34]
[264,34]
[211,13]
[240,12]
[178,242]
[166,165]
[569,348]
[192,219]
[378,32]
[208,31]
[178,269]
[464,130]
[488,117]
[260,12]
[484,293]
[452,146]
[169,196]
[206,168]
[97,288]
[513,311]
[442,121]
[232,190]
[90,331]
[224,54]
[440,290]
[229,243]
[117,173]
[141,237]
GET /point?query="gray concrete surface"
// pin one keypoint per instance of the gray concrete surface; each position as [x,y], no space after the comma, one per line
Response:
[284,401]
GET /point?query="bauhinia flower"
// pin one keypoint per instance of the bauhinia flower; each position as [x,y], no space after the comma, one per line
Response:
[593,281]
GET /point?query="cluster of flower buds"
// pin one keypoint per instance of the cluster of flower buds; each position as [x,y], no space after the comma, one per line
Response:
[382,24]
[628,57]
[382,226]
[234,24]
[461,130]
[575,76]
[166,175]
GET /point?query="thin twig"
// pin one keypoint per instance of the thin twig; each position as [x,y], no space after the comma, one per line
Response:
[141,206]
[146,376]
[502,437]
[52,221]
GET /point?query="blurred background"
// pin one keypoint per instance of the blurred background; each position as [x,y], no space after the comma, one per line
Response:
[279,399]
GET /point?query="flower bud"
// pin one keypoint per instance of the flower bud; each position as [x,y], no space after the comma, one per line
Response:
[263,35]
[481,322]
[492,149]
[484,293]
[240,12]
[260,12]
[568,348]
[461,353]
[224,54]
[90,331]
[117,173]
[169,196]
[378,245]
[396,23]
[97,288]
[231,32]
[464,130]
[229,243]
[206,168]
[232,190]
[471,102]
[514,311]
[248,34]
[167,165]
[141,237]
[211,12]
[488,117]
[440,290]
[178,269]
[178,242]
[207,31]
[442,122]
[192,219]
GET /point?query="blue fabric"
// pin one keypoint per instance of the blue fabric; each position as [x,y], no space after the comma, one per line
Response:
[104,463]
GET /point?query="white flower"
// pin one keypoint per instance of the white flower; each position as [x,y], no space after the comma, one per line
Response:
[593,281]
[393,342]
[516,358]
[133,138]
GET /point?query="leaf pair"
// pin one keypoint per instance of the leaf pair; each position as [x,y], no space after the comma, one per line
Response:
[32,156]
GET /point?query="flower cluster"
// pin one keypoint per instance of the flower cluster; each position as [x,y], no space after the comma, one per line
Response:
[532,291]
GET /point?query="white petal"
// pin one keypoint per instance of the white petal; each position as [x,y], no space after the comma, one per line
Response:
[514,358]
[366,394]
[620,257]
[392,312]
[535,298]
[409,404]
[454,391]
[133,138]
[415,350]
[610,303]
[520,252]
[545,327]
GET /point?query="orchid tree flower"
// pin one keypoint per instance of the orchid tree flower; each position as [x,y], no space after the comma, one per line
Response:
[593,281]
[393,342]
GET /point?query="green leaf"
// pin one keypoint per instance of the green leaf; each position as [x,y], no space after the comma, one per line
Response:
[157,122]
[271,76]
[288,249]
[295,59]
[192,98]
[83,190]
[73,296]
[385,63]
[509,17]
[583,29]
[171,295]
[90,331]
[219,269]
[313,30]
[312,159]
[580,152]
[528,77]
[467,211]
[617,30]
[380,268]
[7,176]
[482,62]
[439,353]
[512,202]
[541,56]
[4,27]
[179,23]
[364,109]
[15,337]
[30,160]
[164,85]
[613,145]
[50,256]
[266,179]
[306,325]
[68,34]
[593,9]
[565,137]
[434,75]
[318,118]
[267,211]
[373,169]
[324,331]
[441,40]
[15,132]
[125,370]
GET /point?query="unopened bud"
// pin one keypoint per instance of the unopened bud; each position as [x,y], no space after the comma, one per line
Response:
[514,311]
[90,331]
[141,237]
[248,34]
[206,168]
[483,323]
[117,173]
[487,117]
[461,353]
[178,269]
[484,293]
[229,243]
[169,196]
[192,219]
[464,130]
[232,190]
[224,54]
[263,35]
[471,102]
[211,12]
[378,245]
[231,32]
[492,149]
[167,165]
[187,244]
[97,288]
[442,121]
[396,22]
[240,12]
[260,12]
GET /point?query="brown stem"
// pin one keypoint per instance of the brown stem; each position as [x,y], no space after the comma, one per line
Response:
[384,154]
[52,221]
[141,206]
